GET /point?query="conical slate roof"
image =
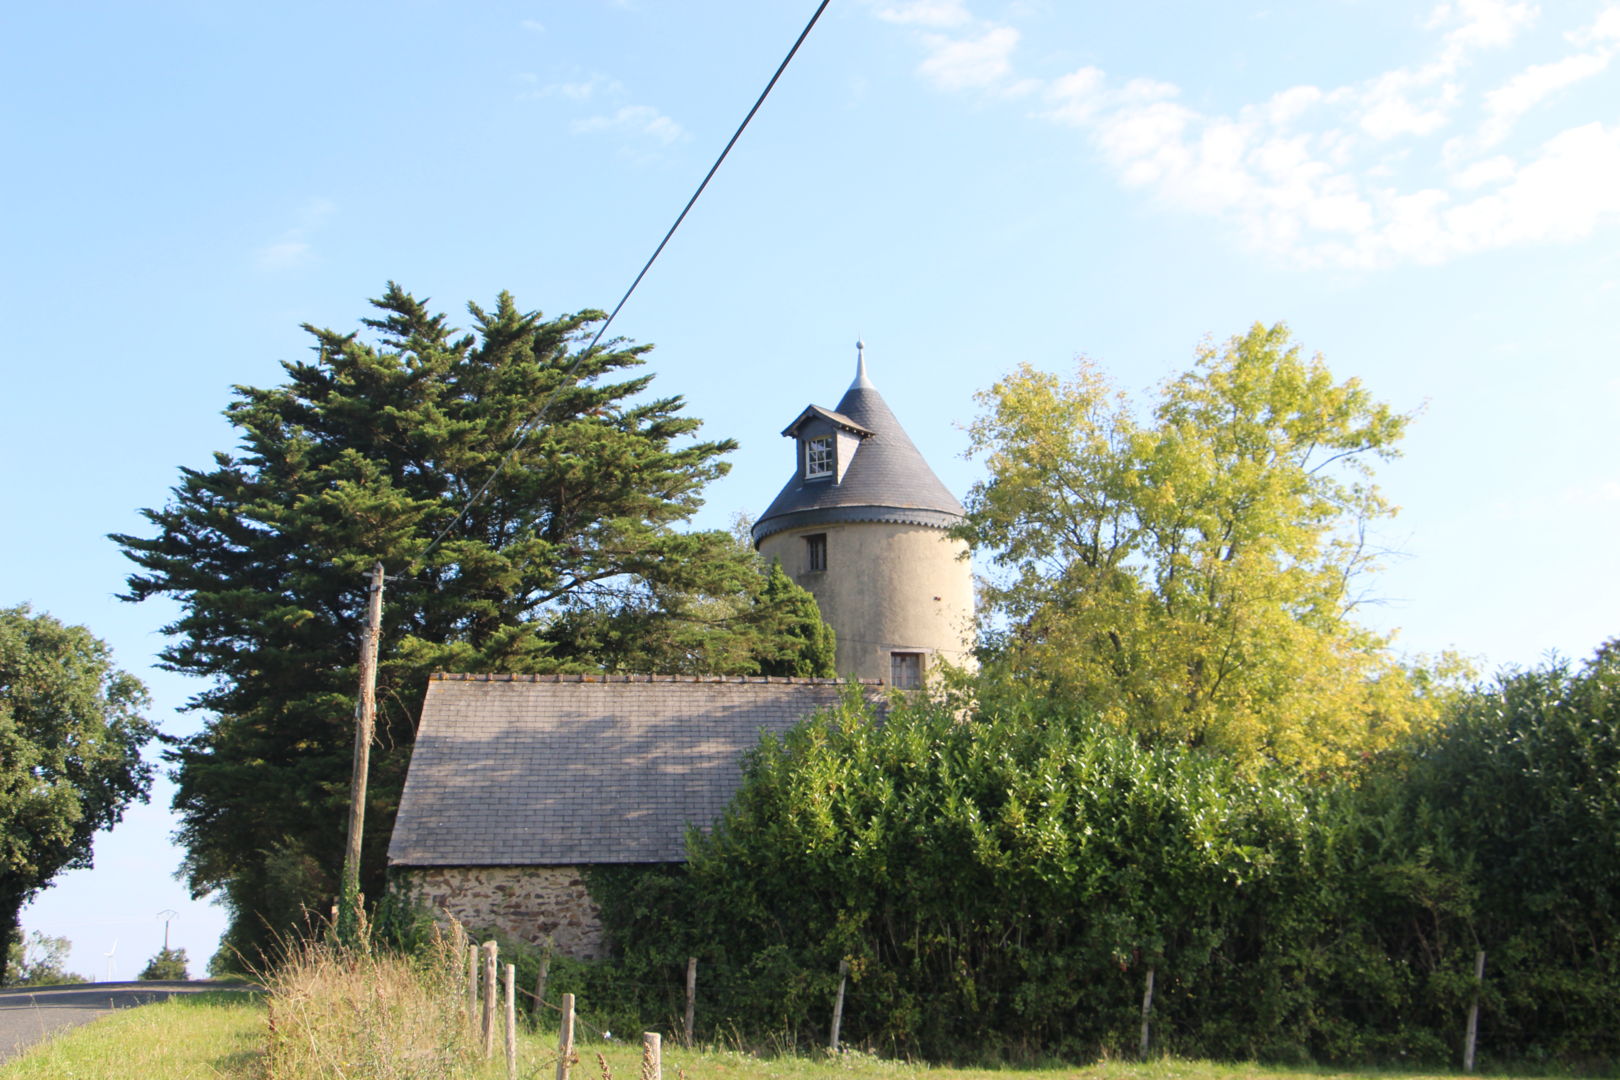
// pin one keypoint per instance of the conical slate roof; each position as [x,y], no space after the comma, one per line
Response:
[887,479]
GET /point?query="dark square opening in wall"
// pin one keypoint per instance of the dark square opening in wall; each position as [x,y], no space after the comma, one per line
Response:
[906,670]
[815,551]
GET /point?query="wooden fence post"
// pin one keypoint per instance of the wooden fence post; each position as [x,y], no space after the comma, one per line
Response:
[472,985]
[1473,1013]
[1147,1011]
[490,953]
[540,981]
[838,1004]
[565,1045]
[691,997]
[510,986]
[652,1056]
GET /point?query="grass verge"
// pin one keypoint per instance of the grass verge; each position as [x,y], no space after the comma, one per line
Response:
[203,1036]
[379,1016]
[222,1036]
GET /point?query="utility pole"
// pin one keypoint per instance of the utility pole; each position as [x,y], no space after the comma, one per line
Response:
[167,915]
[365,717]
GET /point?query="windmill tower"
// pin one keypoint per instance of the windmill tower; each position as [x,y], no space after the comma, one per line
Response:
[862,525]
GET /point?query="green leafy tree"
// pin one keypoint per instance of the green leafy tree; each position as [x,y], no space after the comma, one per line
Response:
[800,644]
[71,733]
[761,624]
[168,965]
[37,960]
[1193,576]
[571,555]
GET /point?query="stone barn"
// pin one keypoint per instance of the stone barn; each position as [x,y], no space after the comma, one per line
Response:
[519,783]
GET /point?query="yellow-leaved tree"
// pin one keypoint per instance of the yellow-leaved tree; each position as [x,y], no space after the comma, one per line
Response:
[1192,575]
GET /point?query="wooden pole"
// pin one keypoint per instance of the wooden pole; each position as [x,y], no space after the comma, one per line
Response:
[510,985]
[652,1056]
[565,1045]
[1473,1013]
[365,722]
[691,997]
[1147,1011]
[540,982]
[490,962]
[838,1004]
[472,984]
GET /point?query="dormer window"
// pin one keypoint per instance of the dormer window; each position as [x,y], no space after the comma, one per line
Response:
[818,457]
[826,443]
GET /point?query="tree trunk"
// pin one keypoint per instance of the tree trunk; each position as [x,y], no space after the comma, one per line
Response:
[9,929]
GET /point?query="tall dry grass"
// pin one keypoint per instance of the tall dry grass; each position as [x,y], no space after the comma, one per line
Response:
[362,1013]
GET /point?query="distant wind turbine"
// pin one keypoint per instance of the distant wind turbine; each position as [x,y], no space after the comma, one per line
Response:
[109,955]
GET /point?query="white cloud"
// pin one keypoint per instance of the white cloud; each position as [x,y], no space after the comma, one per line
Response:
[636,120]
[586,89]
[283,255]
[534,26]
[1482,24]
[1480,173]
[293,248]
[961,63]
[1366,174]
[600,92]
[1509,102]
[1605,28]
[1506,104]
[1287,106]
[963,52]
[936,14]
[1606,491]
[1387,109]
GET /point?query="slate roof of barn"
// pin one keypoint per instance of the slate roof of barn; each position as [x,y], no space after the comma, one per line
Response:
[556,770]
[887,479]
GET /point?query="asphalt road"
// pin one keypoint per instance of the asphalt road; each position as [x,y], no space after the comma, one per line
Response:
[30,1014]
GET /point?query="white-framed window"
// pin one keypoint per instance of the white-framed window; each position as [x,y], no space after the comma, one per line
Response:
[818,457]
[906,670]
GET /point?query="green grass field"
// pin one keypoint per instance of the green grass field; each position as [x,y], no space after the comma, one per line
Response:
[221,1036]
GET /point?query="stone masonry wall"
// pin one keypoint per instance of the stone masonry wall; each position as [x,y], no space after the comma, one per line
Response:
[528,903]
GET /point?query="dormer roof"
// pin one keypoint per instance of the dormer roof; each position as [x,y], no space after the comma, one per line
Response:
[837,419]
[887,479]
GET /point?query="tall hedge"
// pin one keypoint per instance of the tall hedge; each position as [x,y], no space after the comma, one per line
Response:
[1000,881]
[997,884]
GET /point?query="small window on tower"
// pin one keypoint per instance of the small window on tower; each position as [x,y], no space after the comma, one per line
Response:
[818,457]
[815,552]
[906,670]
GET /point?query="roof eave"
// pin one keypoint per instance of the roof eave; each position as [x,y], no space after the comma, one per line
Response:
[837,419]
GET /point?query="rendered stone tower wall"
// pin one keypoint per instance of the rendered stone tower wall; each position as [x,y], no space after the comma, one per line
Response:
[887,588]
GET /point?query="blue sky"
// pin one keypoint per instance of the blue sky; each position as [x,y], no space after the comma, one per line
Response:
[1429,194]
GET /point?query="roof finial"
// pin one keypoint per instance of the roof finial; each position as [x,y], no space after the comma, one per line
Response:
[860,367]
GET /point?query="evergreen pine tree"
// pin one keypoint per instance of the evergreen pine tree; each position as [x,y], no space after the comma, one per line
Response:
[576,484]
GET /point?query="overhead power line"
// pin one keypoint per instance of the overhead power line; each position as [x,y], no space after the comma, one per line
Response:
[534,422]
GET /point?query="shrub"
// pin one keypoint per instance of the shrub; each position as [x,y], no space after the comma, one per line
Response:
[167,964]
